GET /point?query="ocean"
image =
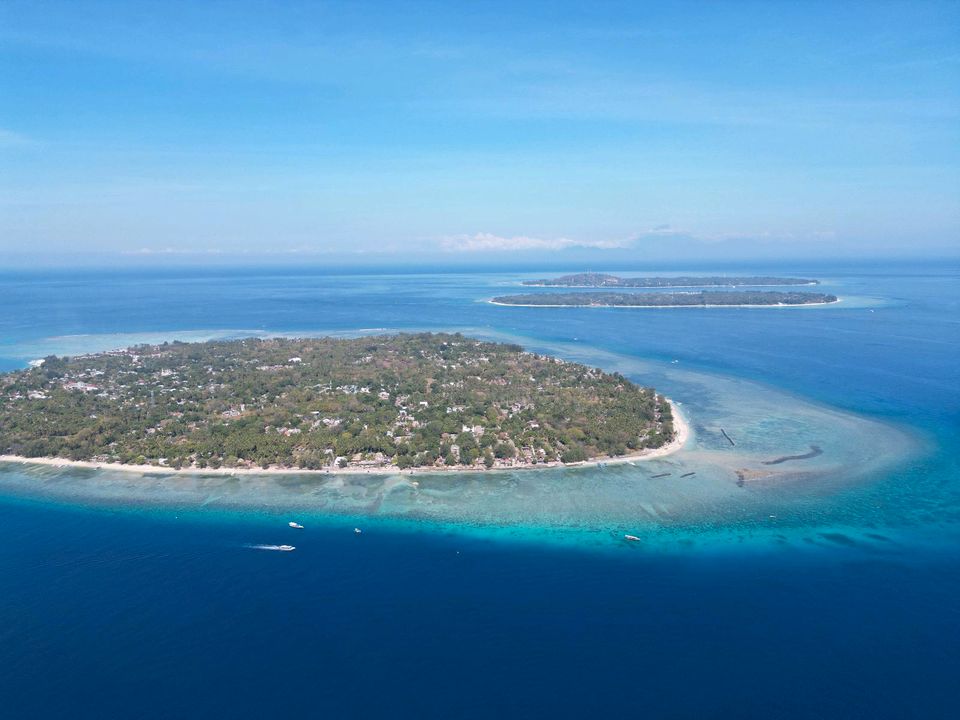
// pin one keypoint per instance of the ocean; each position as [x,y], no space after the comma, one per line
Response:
[829,587]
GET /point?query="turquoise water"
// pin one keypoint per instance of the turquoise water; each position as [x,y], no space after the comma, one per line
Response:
[838,572]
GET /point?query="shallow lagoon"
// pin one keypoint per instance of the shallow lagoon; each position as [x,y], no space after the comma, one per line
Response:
[741,486]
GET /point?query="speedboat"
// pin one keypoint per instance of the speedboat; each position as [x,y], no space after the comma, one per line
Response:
[631,538]
[357,530]
[295,525]
[274,548]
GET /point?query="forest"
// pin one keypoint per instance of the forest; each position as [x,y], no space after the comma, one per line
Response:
[392,401]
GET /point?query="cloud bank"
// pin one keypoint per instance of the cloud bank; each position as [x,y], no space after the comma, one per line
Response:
[488,242]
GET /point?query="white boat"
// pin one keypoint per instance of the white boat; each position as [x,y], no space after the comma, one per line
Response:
[275,548]
[631,538]
[357,530]
[295,525]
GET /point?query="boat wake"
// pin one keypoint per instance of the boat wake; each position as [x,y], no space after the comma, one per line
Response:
[277,548]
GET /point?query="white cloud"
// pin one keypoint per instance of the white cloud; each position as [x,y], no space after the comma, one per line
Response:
[657,236]
[488,242]
[299,250]
[170,251]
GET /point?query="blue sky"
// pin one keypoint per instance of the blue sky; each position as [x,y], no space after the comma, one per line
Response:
[320,132]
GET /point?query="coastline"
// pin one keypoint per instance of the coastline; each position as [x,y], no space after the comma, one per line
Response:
[681,436]
[662,287]
[657,307]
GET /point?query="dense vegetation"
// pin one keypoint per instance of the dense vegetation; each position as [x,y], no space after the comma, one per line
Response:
[667,299]
[389,401]
[604,280]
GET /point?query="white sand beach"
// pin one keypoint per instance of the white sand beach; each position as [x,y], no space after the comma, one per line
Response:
[658,307]
[681,427]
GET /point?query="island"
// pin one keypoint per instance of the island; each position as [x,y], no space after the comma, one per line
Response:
[383,403]
[603,280]
[747,298]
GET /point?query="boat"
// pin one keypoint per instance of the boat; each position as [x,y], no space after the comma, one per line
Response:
[295,525]
[275,548]
[631,538]
[357,530]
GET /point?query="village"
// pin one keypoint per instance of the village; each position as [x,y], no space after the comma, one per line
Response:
[392,402]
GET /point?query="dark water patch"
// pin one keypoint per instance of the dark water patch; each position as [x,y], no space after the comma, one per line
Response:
[839,539]
[878,536]
[815,450]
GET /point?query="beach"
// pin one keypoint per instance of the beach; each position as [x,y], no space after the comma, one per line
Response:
[654,307]
[681,435]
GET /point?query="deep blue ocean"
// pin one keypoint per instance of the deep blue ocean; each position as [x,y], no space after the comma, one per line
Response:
[161,610]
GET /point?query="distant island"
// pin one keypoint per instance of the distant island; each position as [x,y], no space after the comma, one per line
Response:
[604,280]
[746,298]
[393,402]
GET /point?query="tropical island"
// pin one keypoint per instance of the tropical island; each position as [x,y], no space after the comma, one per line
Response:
[392,402]
[604,280]
[746,298]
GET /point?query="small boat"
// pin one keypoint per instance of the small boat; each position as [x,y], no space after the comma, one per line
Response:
[357,530]
[631,538]
[275,548]
[295,525]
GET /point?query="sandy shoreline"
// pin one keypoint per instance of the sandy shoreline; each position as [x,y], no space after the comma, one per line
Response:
[657,307]
[659,287]
[680,426]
